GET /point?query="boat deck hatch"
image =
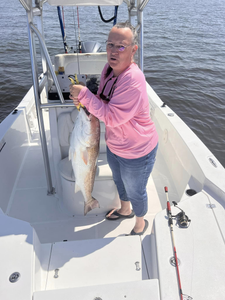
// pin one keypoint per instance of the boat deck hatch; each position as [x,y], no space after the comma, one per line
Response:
[88,262]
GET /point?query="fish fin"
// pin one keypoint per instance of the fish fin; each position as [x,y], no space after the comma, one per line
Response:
[77,188]
[72,154]
[85,156]
[91,205]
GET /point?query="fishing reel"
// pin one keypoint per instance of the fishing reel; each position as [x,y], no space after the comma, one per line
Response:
[183,220]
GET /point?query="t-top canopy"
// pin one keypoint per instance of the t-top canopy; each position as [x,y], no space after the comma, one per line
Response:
[84,2]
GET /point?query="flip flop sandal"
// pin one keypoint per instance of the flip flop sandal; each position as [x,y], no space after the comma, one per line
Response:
[119,216]
[140,233]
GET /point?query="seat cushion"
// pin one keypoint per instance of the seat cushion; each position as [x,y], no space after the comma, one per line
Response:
[103,170]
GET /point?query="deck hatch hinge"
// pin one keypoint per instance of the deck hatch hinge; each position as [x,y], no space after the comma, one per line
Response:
[56,273]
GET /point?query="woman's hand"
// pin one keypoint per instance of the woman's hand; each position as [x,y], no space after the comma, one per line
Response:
[74,92]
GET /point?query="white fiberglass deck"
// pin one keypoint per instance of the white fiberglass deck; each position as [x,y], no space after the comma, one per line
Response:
[30,202]
[74,245]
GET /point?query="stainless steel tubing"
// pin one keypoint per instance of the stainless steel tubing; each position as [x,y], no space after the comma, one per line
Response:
[24,4]
[39,111]
[42,83]
[45,51]
[142,5]
[56,105]
[137,28]
[140,36]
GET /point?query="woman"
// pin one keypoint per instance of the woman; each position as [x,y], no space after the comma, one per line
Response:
[131,137]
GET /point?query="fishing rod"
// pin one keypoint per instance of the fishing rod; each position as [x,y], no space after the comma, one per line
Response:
[62,29]
[170,221]
[78,24]
[78,48]
[185,221]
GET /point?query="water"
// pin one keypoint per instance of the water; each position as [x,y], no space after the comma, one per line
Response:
[184,49]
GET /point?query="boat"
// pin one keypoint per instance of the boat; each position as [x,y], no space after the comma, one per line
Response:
[48,248]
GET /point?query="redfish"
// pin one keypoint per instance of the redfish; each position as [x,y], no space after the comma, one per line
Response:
[83,153]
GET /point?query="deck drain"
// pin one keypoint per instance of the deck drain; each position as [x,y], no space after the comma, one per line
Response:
[14,277]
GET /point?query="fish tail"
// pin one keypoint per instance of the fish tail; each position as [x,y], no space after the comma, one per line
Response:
[88,206]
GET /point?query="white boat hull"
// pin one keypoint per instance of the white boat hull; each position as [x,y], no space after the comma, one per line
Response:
[49,250]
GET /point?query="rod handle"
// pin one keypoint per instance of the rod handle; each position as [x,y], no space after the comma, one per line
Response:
[168,206]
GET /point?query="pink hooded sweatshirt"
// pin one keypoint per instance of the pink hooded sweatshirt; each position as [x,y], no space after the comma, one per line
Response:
[130,132]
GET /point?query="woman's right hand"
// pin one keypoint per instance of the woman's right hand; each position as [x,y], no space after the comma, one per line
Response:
[76,102]
[74,92]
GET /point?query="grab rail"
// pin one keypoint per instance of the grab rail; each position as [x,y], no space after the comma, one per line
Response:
[42,82]
[57,105]
[45,51]
[38,87]
[25,5]
[142,5]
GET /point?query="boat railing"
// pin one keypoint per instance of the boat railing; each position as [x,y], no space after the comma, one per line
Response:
[48,59]
[38,86]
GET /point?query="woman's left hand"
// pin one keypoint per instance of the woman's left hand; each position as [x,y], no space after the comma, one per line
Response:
[74,92]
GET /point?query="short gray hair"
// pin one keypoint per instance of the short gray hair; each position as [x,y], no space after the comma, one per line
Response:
[131,27]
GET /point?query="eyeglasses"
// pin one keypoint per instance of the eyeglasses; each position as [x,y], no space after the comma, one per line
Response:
[119,48]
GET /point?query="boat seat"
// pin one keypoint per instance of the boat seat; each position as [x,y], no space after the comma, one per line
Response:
[103,171]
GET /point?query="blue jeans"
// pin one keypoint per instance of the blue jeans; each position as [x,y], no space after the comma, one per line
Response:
[131,177]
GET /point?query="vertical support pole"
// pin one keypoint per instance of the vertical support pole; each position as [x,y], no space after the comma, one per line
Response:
[41,29]
[37,102]
[43,95]
[140,36]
